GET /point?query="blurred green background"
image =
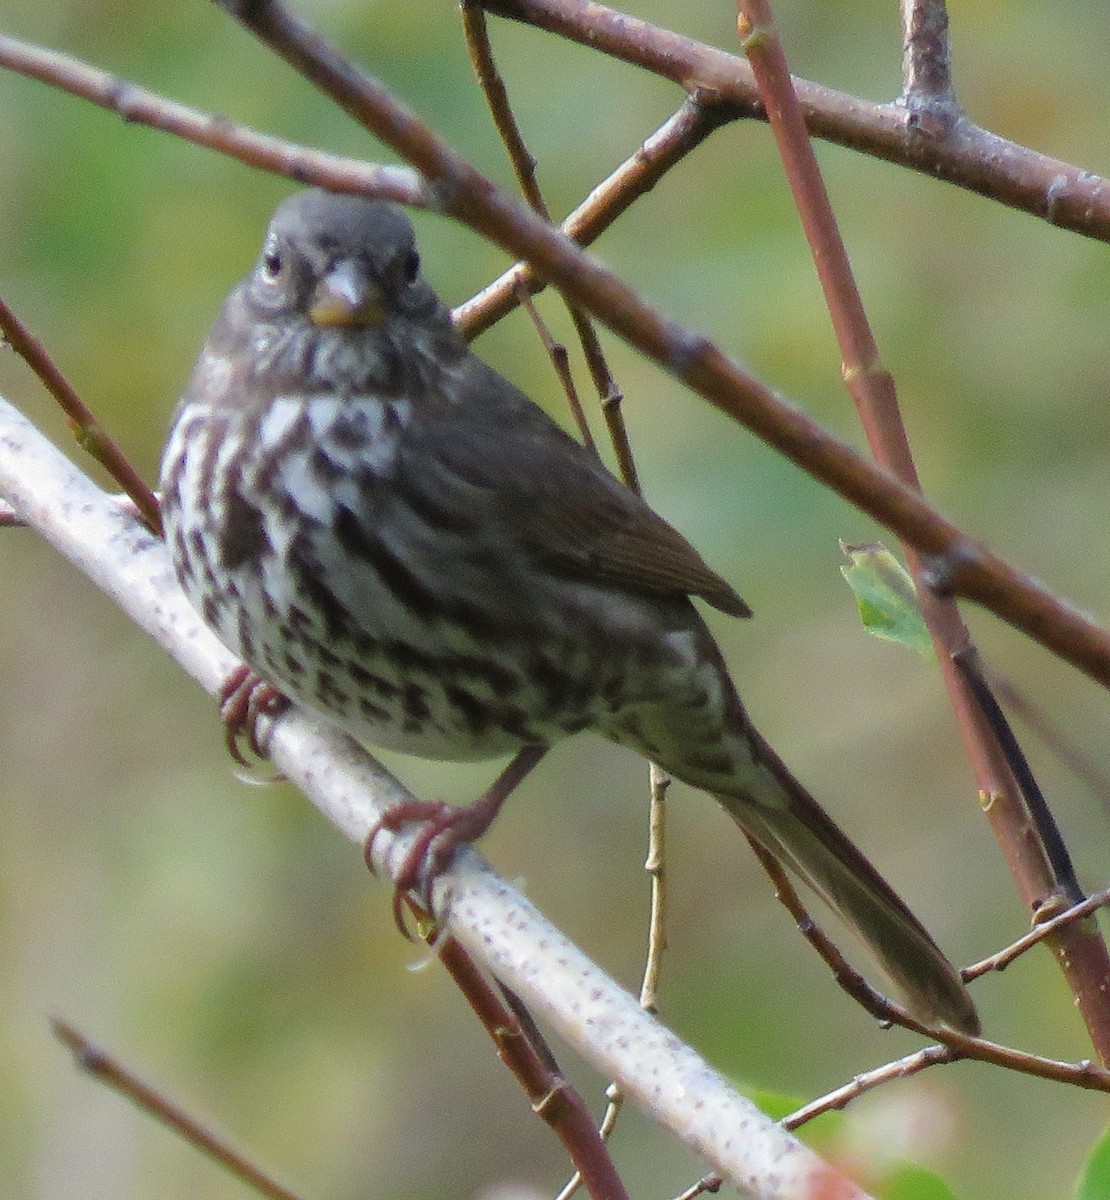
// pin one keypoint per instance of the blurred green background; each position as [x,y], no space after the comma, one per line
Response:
[225,941]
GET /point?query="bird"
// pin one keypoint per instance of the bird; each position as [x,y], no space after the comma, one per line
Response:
[393,536]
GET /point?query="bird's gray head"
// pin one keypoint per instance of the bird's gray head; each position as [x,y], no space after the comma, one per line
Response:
[339,262]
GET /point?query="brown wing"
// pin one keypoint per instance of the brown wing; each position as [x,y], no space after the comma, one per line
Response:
[555,498]
[620,540]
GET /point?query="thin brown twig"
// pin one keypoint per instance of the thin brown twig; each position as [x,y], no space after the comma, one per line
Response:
[136,105]
[927,62]
[612,401]
[968,156]
[609,394]
[866,1081]
[1058,740]
[111,1072]
[656,866]
[496,93]
[524,167]
[86,429]
[1001,960]
[955,1047]
[551,1096]
[1084,1074]
[998,764]
[958,1045]
[846,976]
[680,134]
[614,1103]
[560,362]
[708,1183]
[1039,835]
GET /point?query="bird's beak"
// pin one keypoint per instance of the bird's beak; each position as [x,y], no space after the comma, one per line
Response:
[347,298]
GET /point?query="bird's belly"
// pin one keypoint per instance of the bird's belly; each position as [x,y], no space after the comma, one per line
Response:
[442,743]
[412,650]
[426,688]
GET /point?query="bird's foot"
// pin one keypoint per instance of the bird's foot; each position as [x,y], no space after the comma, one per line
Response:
[445,828]
[244,700]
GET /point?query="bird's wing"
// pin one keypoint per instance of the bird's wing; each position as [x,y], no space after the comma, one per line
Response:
[561,503]
[596,533]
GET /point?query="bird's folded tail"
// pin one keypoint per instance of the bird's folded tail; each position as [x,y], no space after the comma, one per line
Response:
[770,805]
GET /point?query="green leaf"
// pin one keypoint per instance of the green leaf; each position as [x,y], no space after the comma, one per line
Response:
[1095,1181]
[910,1182]
[886,597]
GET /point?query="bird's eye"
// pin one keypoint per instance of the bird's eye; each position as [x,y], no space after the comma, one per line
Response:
[271,264]
[410,265]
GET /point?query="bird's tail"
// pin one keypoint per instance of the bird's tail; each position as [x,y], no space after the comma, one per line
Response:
[709,742]
[770,805]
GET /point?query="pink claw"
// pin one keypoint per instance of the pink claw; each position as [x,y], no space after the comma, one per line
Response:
[244,699]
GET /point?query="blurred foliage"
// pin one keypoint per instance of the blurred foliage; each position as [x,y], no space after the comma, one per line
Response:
[225,941]
[1095,1184]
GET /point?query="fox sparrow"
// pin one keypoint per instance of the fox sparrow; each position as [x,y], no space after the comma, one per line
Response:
[393,536]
